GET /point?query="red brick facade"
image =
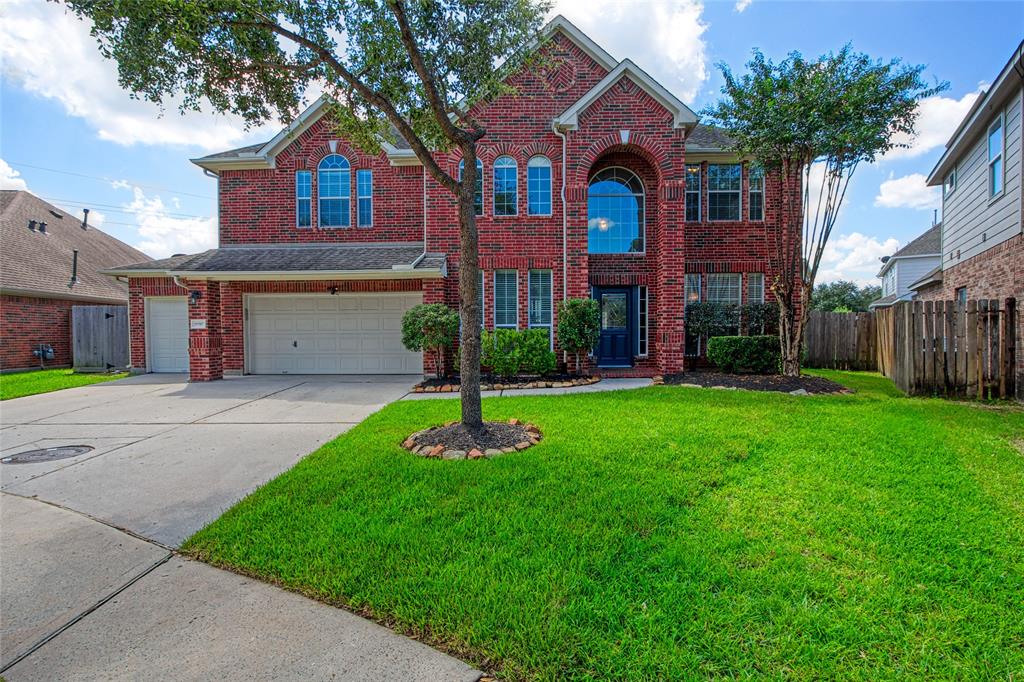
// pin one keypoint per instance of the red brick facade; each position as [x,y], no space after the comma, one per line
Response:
[626,126]
[26,322]
[996,273]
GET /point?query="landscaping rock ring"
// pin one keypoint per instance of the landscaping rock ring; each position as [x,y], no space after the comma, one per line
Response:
[455,441]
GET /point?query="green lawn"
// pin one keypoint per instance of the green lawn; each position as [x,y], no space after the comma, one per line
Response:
[671,533]
[21,384]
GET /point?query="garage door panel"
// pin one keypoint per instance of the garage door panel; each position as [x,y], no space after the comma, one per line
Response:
[340,334]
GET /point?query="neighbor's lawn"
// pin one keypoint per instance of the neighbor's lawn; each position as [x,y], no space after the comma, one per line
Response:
[46,380]
[671,533]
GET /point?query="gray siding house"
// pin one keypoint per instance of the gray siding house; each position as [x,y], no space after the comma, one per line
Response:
[908,265]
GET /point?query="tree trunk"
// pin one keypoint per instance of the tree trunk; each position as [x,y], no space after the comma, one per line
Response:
[787,249]
[469,294]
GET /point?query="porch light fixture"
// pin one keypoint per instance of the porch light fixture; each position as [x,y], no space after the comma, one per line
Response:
[194,296]
[333,290]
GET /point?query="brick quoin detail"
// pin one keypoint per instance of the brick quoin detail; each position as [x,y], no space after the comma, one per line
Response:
[27,321]
[624,127]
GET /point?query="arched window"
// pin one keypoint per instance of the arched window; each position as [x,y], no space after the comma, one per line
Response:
[506,190]
[478,195]
[615,212]
[334,191]
[538,186]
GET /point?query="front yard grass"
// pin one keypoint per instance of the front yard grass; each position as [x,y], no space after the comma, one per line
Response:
[20,384]
[670,533]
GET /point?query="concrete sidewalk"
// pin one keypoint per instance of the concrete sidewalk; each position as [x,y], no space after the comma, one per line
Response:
[599,387]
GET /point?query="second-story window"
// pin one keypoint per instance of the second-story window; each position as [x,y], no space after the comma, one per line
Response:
[334,191]
[506,192]
[364,198]
[995,157]
[725,184]
[949,184]
[538,186]
[615,212]
[693,193]
[478,195]
[304,198]
[755,200]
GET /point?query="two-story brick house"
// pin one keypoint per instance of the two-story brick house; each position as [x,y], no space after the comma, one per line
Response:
[595,181]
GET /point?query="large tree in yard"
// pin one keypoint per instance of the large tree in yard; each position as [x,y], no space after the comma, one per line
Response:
[812,122]
[414,65]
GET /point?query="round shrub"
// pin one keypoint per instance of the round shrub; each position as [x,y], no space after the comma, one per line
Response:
[430,327]
[579,326]
[751,354]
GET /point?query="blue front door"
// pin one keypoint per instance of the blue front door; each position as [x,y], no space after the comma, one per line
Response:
[615,345]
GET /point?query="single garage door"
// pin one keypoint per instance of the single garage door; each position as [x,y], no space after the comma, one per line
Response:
[167,334]
[324,334]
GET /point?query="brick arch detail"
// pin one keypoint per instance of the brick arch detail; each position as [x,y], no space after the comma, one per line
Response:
[644,146]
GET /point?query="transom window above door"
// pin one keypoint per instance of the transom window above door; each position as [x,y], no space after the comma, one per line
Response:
[615,212]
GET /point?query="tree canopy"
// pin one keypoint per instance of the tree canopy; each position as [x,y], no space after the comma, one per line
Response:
[844,296]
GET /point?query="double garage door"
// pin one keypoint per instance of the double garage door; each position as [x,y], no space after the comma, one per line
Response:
[324,334]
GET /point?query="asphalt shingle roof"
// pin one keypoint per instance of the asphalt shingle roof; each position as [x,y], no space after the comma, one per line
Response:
[705,137]
[928,243]
[40,262]
[295,258]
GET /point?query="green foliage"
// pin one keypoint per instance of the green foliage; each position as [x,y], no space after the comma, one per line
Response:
[430,327]
[760,318]
[669,533]
[751,354]
[579,326]
[20,384]
[511,352]
[706,319]
[844,296]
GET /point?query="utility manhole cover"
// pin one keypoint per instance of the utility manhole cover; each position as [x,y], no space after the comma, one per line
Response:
[46,454]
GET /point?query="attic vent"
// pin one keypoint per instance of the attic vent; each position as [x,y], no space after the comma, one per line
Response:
[32,225]
[56,215]
[42,227]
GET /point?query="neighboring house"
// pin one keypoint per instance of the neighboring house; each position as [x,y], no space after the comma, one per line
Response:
[982,212]
[37,259]
[323,246]
[906,266]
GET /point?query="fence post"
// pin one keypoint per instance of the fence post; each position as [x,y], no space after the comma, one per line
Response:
[1008,349]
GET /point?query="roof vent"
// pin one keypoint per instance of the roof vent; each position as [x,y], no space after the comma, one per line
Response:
[885,259]
[56,215]
[42,227]
[32,225]
[85,219]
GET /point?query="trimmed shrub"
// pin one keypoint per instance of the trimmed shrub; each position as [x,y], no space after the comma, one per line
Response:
[510,352]
[761,318]
[535,354]
[579,326]
[752,354]
[430,327]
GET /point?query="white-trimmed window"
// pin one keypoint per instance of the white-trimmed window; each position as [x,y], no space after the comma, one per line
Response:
[693,193]
[540,300]
[755,197]
[333,178]
[641,321]
[304,198]
[506,188]
[725,185]
[506,299]
[538,186]
[478,195]
[949,184]
[364,198]
[615,212]
[755,287]
[996,148]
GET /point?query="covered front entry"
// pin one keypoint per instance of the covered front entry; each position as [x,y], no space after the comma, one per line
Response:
[345,333]
[615,344]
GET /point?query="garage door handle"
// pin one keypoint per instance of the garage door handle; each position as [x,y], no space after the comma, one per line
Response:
[295,344]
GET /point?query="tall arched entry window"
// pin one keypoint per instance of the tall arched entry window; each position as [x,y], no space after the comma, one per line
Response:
[615,212]
[333,191]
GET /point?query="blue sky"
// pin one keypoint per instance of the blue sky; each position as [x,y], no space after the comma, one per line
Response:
[69,133]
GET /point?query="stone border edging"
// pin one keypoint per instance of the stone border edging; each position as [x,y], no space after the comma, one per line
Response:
[539,383]
[442,451]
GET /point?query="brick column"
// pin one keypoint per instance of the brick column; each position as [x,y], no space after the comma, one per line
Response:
[670,341]
[205,345]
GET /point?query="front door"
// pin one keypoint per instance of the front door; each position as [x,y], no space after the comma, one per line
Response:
[615,345]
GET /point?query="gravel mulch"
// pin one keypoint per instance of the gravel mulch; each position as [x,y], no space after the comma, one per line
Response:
[455,441]
[757,382]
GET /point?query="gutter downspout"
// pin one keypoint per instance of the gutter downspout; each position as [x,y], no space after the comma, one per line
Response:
[565,217]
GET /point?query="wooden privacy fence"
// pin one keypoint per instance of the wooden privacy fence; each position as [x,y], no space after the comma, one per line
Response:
[840,340]
[99,337]
[939,347]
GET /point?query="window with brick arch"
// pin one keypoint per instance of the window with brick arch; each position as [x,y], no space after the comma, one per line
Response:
[506,190]
[615,212]
[538,186]
[333,179]
[478,194]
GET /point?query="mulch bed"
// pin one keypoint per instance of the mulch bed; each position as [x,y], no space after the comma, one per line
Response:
[455,441]
[492,383]
[756,382]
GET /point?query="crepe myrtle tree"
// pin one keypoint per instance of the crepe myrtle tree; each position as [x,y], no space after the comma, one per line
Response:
[416,66]
[812,122]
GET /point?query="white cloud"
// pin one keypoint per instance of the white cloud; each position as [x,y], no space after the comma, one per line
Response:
[162,235]
[665,37]
[47,51]
[10,178]
[909,191]
[937,118]
[742,5]
[854,257]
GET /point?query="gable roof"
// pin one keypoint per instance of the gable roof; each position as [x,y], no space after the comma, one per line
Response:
[682,115]
[39,263]
[927,244]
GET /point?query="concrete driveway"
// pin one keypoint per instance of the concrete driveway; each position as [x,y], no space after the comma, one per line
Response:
[90,587]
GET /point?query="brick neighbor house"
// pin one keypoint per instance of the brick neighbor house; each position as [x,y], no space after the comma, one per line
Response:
[982,242]
[323,247]
[38,242]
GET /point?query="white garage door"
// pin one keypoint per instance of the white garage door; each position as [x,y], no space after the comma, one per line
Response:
[341,334]
[167,334]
